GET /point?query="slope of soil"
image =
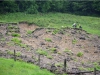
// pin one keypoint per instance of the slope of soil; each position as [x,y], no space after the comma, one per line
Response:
[54,45]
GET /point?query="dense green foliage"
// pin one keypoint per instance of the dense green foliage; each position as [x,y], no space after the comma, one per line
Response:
[65,6]
[10,67]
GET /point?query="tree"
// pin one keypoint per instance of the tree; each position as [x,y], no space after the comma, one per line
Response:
[56,6]
[96,6]
[8,6]
[44,6]
[33,9]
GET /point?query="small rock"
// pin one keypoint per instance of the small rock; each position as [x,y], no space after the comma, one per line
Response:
[82,38]
[73,32]
[29,61]
[42,43]
[53,68]
[96,52]
[98,46]
[86,51]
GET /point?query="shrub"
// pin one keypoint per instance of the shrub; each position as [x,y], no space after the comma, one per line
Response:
[32,9]
[16,40]
[53,49]
[10,52]
[79,54]
[68,51]
[48,39]
[49,56]
[55,31]
[10,27]
[15,35]
[29,32]
[59,65]
[74,41]
[18,54]
[2,39]
[42,52]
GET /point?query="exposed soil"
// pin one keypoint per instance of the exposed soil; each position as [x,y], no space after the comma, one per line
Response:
[58,45]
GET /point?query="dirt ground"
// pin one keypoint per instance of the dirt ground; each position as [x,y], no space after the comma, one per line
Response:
[54,45]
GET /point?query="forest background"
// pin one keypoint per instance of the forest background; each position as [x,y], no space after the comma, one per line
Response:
[38,6]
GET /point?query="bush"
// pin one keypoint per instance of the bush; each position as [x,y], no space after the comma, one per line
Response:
[48,39]
[49,56]
[29,32]
[32,9]
[42,52]
[80,54]
[15,35]
[16,40]
[74,41]
[55,31]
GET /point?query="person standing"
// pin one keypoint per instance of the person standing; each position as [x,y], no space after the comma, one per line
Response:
[74,25]
[80,27]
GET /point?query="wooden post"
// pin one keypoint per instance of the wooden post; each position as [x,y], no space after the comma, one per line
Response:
[64,65]
[39,60]
[94,71]
[14,55]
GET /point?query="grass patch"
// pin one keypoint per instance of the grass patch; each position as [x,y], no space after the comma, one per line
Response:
[55,31]
[10,27]
[95,64]
[59,64]
[2,39]
[15,35]
[48,39]
[18,54]
[56,20]
[68,51]
[79,54]
[42,52]
[29,32]
[49,57]
[74,41]
[12,53]
[18,42]
[10,67]
[53,50]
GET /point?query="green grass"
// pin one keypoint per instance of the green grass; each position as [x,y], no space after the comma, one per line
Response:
[57,20]
[15,35]
[18,42]
[80,54]
[68,51]
[10,27]
[53,49]
[10,67]
[48,39]
[49,57]
[42,52]
[12,53]
[29,32]
[55,31]
[74,41]
[95,64]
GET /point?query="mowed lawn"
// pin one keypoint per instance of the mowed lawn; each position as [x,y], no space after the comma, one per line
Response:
[58,20]
[10,67]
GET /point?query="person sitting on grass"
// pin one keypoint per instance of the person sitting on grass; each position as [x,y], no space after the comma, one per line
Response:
[80,27]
